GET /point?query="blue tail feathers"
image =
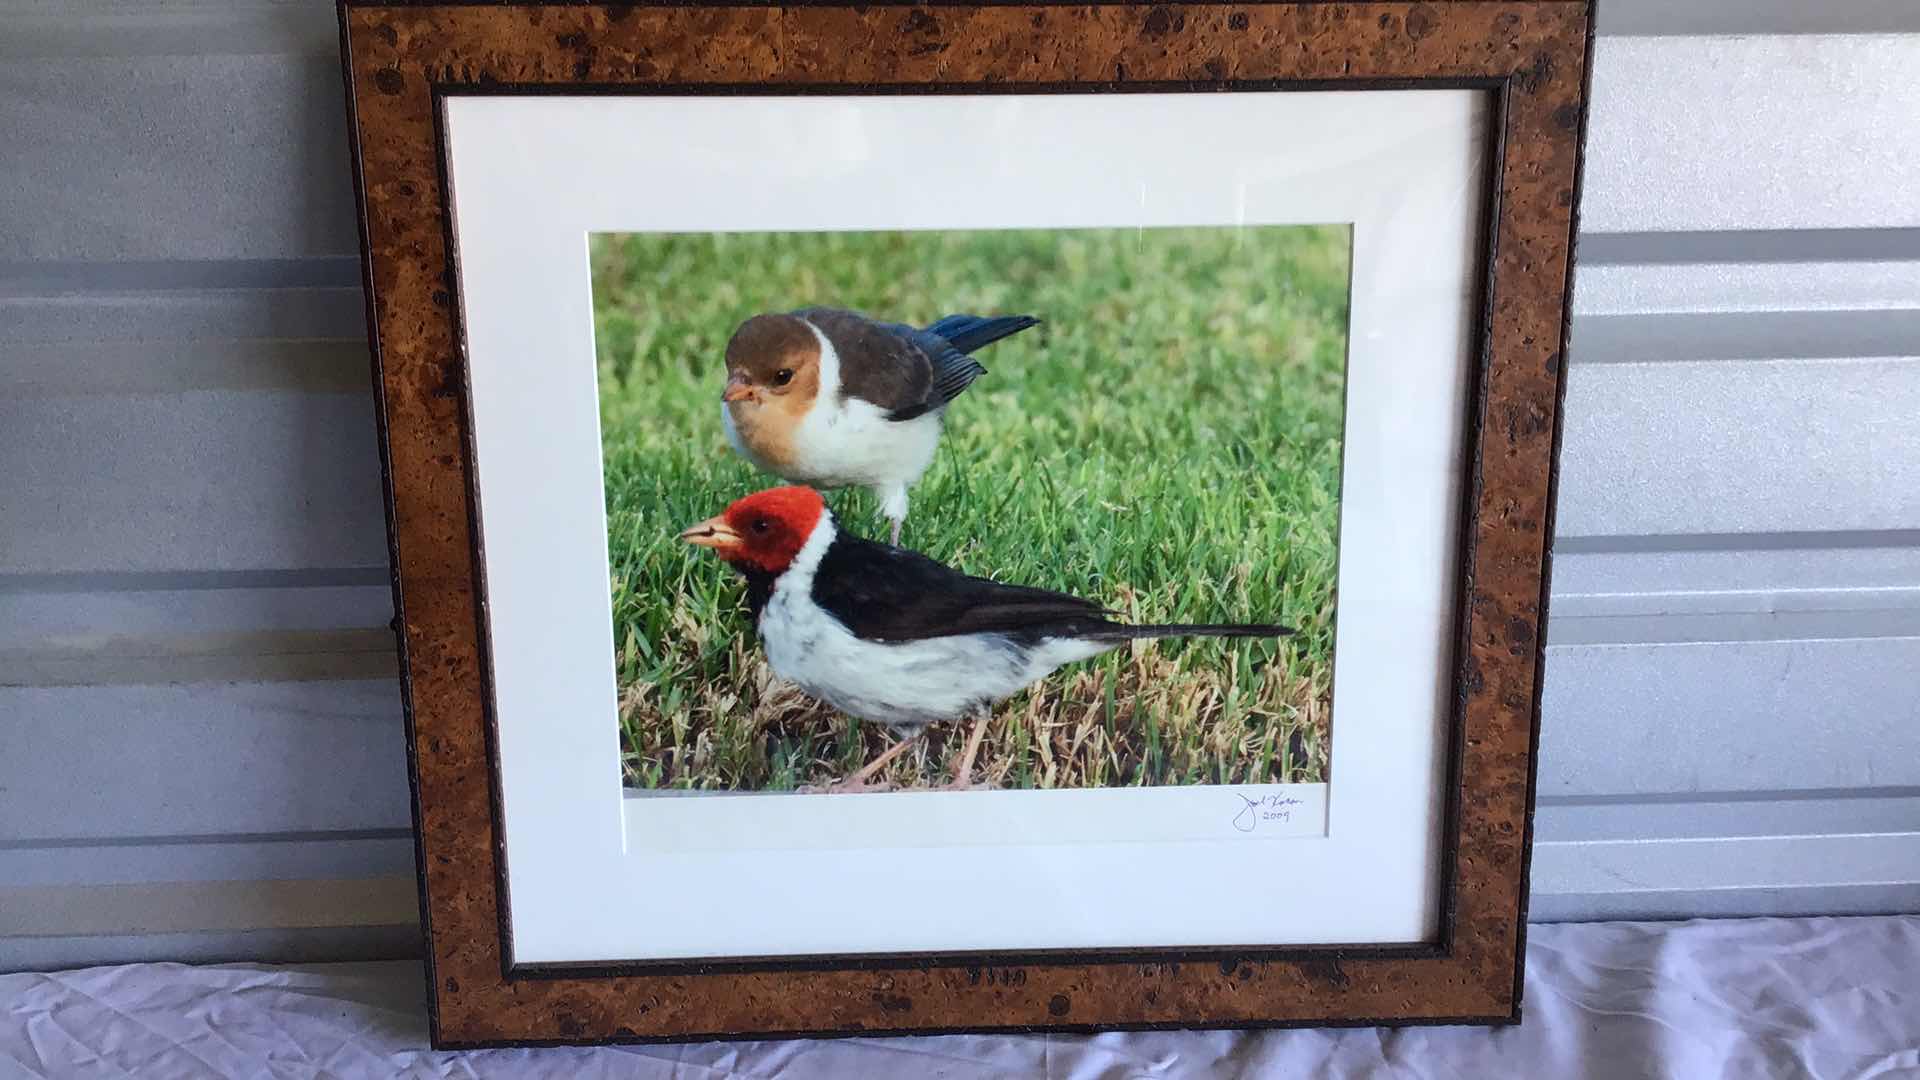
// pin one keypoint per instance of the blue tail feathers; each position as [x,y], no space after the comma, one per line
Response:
[970,332]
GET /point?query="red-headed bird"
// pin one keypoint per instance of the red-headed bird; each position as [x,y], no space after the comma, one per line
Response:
[889,636]
[835,399]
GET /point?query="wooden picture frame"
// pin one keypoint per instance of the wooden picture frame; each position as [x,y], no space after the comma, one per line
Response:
[402,60]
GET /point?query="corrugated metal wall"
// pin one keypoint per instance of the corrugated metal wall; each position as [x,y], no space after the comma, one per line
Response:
[200,737]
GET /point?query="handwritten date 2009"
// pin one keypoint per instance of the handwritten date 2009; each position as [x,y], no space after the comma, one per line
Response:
[1276,808]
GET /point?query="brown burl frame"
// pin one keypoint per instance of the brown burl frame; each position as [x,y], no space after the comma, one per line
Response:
[402,59]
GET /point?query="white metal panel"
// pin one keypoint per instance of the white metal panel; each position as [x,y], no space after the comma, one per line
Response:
[1740,446]
[245,857]
[1762,132]
[192,480]
[1664,17]
[1720,582]
[1839,852]
[182,631]
[176,907]
[174,157]
[362,939]
[114,28]
[44,927]
[1817,283]
[200,760]
[1721,716]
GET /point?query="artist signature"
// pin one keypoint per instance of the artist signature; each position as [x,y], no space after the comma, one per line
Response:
[1275,807]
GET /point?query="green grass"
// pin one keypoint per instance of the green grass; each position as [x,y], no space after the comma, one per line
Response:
[1168,442]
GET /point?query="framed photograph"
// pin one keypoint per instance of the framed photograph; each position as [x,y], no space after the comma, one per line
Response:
[929,518]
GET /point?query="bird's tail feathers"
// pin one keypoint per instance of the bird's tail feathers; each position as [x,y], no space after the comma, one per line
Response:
[970,332]
[1123,632]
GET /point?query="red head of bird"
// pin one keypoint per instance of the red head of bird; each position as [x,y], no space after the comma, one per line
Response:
[765,530]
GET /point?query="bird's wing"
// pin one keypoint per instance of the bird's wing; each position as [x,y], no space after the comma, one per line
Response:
[886,593]
[878,363]
[953,372]
[951,341]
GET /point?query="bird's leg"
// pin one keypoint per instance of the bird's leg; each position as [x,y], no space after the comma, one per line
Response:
[858,781]
[893,507]
[964,773]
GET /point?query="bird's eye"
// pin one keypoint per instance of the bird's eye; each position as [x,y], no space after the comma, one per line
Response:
[783,376]
[761,525]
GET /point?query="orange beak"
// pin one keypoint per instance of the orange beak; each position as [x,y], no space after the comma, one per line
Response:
[738,388]
[713,533]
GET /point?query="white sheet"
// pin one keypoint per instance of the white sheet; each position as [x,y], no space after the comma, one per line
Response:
[1735,998]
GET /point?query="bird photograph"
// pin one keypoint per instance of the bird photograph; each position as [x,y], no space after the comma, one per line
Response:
[992,509]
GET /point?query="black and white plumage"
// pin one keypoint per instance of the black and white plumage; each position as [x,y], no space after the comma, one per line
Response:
[832,398]
[890,636]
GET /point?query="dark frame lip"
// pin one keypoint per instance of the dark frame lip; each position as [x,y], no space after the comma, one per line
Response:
[1228,957]
[403,4]
[446,89]
[1488,1020]
[1571,118]
[1453,737]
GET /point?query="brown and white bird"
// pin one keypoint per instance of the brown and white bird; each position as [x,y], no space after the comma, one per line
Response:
[835,399]
[889,636]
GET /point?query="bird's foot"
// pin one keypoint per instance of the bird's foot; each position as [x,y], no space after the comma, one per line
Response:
[847,786]
[895,538]
[864,780]
[963,784]
[963,773]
